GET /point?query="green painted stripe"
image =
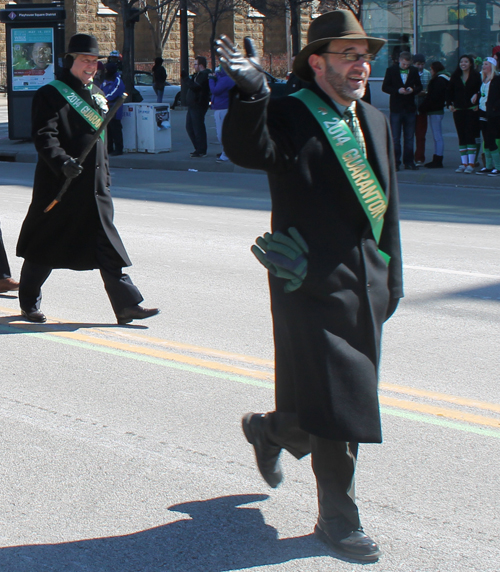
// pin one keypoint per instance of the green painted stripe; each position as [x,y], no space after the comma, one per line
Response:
[140,357]
[484,432]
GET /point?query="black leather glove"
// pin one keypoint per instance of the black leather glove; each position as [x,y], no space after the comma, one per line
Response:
[284,256]
[245,71]
[71,168]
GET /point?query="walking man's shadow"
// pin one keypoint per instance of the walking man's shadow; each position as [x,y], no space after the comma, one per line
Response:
[220,536]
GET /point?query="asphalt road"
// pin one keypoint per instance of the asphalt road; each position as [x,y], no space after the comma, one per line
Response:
[121,446]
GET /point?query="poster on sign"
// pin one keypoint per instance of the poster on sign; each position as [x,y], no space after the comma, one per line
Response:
[32,58]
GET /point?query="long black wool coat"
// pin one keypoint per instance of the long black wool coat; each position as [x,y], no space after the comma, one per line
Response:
[328,332]
[65,237]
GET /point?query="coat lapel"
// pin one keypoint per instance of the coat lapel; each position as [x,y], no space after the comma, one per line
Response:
[374,131]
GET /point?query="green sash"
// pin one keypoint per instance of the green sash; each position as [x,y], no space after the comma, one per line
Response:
[78,104]
[356,167]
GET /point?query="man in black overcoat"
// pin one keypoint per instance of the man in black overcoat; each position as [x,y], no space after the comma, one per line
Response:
[331,289]
[78,233]
[402,83]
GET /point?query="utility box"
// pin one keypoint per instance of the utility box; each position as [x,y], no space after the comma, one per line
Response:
[153,128]
[35,42]
[129,126]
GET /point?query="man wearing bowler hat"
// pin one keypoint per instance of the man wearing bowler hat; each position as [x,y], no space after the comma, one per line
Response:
[78,233]
[334,259]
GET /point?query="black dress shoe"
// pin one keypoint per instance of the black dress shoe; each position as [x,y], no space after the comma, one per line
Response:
[356,546]
[411,167]
[37,316]
[266,453]
[135,313]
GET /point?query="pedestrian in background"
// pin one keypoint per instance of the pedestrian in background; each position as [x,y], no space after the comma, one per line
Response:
[113,88]
[402,83]
[159,79]
[433,106]
[198,101]
[7,284]
[421,119]
[464,84]
[220,84]
[489,115]
[78,233]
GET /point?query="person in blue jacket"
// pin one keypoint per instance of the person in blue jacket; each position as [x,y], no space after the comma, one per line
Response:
[220,84]
[113,87]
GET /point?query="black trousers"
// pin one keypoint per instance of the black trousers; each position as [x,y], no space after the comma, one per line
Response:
[4,262]
[115,135]
[121,291]
[467,126]
[333,463]
[195,127]
[491,131]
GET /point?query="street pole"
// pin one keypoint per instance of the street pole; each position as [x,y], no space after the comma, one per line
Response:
[184,47]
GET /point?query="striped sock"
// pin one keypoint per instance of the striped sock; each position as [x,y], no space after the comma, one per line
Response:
[463,155]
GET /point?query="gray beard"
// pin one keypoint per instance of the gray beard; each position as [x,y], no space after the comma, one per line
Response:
[337,82]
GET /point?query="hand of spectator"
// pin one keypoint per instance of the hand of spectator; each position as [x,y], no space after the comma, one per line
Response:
[245,71]
[71,168]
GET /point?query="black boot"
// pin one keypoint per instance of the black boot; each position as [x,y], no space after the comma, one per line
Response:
[436,163]
[430,165]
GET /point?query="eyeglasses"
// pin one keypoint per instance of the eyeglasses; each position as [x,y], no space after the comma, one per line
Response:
[353,56]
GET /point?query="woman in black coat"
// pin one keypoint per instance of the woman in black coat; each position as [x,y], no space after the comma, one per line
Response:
[433,106]
[465,82]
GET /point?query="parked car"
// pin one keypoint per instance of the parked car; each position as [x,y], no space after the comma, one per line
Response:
[277,86]
[143,82]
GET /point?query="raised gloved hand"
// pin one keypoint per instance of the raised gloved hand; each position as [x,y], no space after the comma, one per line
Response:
[71,168]
[245,71]
[284,256]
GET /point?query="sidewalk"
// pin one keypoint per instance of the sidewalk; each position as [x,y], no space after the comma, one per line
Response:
[176,160]
[179,159]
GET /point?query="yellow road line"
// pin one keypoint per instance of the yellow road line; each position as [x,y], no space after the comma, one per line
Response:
[269,376]
[441,397]
[440,412]
[166,355]
[196,349]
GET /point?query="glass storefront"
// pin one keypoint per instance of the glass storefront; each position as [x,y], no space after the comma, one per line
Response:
[440,29]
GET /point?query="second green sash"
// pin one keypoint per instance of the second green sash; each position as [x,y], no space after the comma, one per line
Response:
[78,104]
[355,165]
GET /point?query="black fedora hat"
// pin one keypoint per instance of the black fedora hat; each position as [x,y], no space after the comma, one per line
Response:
[84,44]
[336,25]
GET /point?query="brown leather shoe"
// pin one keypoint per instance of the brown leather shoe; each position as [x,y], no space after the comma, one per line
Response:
[355,546]
[137,312]
[8,285]
[266,452]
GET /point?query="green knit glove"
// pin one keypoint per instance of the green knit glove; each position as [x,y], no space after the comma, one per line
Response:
[283,256]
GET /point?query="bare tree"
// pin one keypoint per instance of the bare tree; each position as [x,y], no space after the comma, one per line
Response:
[161,25]
[215,10]
[130,11]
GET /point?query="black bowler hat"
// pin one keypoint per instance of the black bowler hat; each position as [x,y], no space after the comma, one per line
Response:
[84,44]
[336,25]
